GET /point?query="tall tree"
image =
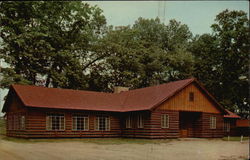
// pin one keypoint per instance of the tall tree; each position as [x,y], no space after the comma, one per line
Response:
[222,60]
[52,39]
[141,55]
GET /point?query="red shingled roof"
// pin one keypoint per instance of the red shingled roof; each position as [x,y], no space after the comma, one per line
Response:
[133,100]
[231,114]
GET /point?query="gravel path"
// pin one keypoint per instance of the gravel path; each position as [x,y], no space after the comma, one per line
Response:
[185,149]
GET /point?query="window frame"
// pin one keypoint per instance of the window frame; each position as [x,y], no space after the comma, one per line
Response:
[22,122]
[191,96]
[10,122]
[140,121]
[78,116]
[213,121]
[165,120]
[128,122]
[49,122]
[227,126]
[107,123]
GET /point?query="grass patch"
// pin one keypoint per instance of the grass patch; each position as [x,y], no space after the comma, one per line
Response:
[2,126]
[107,141]
[235,138]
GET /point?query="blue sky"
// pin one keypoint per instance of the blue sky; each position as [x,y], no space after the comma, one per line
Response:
[198,15]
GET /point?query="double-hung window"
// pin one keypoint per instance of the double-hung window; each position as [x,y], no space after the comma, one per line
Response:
[22,122]
[80,122]
[140,121]
[129,121]
[55,121]
[164,121]
[227,126]
[102,123]
[212,122]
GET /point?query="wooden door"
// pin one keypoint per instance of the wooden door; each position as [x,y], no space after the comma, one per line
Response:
[184,127]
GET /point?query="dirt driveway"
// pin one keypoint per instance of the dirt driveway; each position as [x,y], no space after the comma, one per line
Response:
[184,149]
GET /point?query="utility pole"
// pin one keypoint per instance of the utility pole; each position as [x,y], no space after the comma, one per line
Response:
[162,10]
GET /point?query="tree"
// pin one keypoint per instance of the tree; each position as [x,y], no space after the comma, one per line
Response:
[139,56]
[56,40]
[222,62]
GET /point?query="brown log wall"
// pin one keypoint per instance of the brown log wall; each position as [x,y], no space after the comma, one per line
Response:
[36,124]
[152,126]
[206,132]
[15,108]
[233,129]
[158,131]
[134,131]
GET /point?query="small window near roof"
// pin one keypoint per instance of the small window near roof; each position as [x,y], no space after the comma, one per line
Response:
[191,96]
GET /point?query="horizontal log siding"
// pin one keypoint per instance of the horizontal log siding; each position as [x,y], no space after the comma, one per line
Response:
[157,131]
[36,124]
[210,133]
[134,131]
[233,129]
[15,108]
[152,125]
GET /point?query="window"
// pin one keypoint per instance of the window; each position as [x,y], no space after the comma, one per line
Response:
[102,123]
[164,121]
[129,122]
[16,122]
[227,126]
[140,122]
[55,121]
[22,122]
[212,122]
[80,122]
[191,96]
[10,122]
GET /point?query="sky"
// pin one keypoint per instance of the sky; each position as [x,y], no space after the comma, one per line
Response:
[198,15]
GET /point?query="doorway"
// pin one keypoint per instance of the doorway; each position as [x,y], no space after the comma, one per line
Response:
[189,124]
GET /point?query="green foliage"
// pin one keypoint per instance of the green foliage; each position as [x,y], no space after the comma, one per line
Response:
[222,60]
[139,55]
[69,45]
[51,39]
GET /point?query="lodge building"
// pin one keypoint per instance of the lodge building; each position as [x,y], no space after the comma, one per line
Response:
[177,109]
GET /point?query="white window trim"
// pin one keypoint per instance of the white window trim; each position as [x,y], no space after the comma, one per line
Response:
[213,122]
[86,128]
[22,123]
[107,125]
[164,121]
[227,126]
[129,121]
[49,126]
[140,121]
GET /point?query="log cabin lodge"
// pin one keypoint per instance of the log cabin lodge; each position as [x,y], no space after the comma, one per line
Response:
[177,109]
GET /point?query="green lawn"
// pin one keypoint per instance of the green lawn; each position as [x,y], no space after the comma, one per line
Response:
[235,138]
[2,126]
[89,140]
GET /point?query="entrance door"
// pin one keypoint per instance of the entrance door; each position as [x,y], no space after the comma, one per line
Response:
[187,122]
